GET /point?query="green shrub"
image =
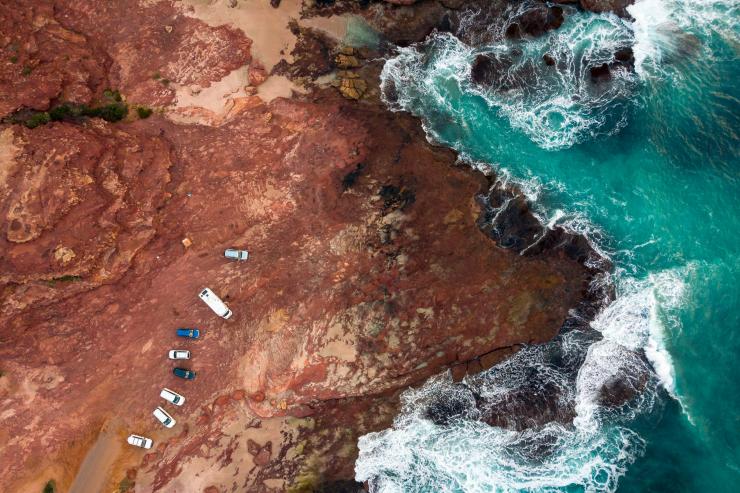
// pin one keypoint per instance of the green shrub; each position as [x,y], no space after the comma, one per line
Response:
[26,70]
[14,59]
[113,112]
[166,82]
[156,76]
[64,111]
[67,278]
[51,486]
[144,112]
[41,118]
[112,94]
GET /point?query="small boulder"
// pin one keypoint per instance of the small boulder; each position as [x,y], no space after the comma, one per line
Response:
[618,7]
[535,21]
[600,73]
[352,87]
[548,59]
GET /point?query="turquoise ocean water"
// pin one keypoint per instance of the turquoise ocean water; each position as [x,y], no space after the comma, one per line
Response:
[648,167]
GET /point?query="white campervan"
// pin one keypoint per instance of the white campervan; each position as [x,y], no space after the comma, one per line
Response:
[215,303]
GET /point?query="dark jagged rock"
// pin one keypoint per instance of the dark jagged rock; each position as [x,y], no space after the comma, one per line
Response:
[618,7]
[628,381]
[509,221]
[600,73]
[533,405]
[451,405]
[535,21]
[548,59]
[499,71]
[624,58]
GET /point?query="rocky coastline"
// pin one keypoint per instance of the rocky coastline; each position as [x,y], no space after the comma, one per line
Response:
[378,260]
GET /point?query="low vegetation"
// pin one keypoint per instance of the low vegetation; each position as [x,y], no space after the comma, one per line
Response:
[50,487]
[111,108]
[143,112]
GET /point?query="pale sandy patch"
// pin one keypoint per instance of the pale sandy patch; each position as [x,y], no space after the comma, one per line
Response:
[8,153]
[272,41]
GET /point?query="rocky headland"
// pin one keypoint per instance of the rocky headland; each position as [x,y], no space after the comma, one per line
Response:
[377,260]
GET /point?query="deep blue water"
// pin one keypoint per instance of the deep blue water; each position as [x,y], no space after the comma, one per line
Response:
[648,167]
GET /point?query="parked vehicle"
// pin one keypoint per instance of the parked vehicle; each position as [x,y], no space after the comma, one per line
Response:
[234,254]
[179,354]
[172,396]
[215,303]
[164,418]
[186,332]
[184,373]
[138,441]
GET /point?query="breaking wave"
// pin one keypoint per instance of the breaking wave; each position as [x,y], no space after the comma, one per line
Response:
[557,416]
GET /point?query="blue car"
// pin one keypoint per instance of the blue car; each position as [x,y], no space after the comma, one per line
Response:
[191,333]
[184,373]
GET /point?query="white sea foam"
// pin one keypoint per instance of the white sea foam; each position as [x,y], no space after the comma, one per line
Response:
[665,29]
[594,450]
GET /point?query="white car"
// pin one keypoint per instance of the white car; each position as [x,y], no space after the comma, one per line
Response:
[164,418]
[179,354]
[172,396]
[234,254]
[138,441]
[215,303]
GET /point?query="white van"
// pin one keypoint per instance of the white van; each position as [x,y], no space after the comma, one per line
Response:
[215,303]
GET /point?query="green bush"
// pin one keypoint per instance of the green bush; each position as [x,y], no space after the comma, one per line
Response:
[114,112]
[51,486]
[14,59]
[41,118]
[64,111]
[144,112]
[26,70]
[113,94]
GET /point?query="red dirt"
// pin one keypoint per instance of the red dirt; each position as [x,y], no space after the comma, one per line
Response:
[367,271]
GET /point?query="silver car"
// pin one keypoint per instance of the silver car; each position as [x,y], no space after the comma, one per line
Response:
[234,254]
[164,418]
[139,441]
[179,354]
[172,396]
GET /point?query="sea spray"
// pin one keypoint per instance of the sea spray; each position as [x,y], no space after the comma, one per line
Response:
[651,179]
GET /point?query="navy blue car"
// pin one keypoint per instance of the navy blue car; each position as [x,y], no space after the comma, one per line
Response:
[184,373]
[186,332]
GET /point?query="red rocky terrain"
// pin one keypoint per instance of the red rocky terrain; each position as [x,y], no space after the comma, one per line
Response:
[367,270]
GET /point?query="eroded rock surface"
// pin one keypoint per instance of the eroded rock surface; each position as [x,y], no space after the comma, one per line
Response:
[368,270]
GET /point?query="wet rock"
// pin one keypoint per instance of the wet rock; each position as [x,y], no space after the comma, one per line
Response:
[503,71]
[548,59]
[600,73]
[451,405]
[618,7]
[340,486]
[508,220]
[489,69]
[529,406]
[535,21]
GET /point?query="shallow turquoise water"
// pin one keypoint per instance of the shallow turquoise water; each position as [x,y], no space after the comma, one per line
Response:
[649,169]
